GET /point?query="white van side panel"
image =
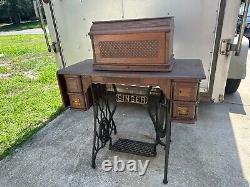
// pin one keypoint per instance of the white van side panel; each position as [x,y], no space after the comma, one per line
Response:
[194,36]
[223,62]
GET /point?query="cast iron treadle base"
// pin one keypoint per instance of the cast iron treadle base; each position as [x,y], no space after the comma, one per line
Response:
[134,147]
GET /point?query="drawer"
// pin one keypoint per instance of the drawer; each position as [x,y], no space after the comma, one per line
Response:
[73,83]
[77,101]
[185,91]
[184,111]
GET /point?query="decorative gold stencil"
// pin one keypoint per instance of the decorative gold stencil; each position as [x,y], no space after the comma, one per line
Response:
[182,111]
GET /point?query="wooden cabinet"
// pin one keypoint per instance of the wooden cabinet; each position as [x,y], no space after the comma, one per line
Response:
[185,100]
[78,98]
[180,86]
[184,96]
[133,45]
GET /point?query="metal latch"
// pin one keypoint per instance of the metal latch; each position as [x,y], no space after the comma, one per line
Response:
[226,46]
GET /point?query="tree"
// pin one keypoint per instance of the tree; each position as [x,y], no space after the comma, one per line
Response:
[15,10]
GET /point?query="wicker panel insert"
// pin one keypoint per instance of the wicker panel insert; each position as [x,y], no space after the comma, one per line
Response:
[129,49]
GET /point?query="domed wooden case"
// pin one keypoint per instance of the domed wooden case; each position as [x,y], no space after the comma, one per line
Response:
[133,45]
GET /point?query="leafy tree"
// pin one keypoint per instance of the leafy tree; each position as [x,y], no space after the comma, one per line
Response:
[15,10]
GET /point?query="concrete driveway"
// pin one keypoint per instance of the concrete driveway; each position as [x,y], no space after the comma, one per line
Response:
[213,152]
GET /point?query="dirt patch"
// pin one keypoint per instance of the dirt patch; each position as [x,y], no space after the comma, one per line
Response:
[31,75]
[5,75]
[4,62]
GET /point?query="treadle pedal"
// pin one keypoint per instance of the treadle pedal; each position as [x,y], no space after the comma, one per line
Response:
[134,147]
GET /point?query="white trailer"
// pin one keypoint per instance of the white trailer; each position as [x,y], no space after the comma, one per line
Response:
[204,29]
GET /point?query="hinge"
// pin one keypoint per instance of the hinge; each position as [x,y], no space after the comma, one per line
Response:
[55,47]
[227,46]
[221,98]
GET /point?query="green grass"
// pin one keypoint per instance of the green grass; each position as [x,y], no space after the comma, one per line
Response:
[3,69]
[29,95]
[21,26]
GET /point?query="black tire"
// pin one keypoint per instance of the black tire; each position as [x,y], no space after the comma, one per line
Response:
[232,85]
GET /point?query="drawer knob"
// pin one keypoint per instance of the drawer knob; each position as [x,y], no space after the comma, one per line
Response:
[185,92]
[76,102]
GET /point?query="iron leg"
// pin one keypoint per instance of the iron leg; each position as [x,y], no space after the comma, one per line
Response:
[170,131]
[113,124]
[104,124]
[93,165]
[167,145]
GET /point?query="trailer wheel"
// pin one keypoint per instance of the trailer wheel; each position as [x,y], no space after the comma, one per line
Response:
[232,85]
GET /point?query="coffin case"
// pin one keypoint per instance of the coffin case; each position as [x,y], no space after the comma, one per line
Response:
[133,45]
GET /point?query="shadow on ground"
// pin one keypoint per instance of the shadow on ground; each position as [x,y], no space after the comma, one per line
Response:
[19,27]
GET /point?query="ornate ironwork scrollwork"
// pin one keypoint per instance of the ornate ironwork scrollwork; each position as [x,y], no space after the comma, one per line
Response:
[104,124]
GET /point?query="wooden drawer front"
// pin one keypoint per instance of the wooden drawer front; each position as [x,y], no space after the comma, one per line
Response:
[77,101]
[185,91]
[184,111]
[73,84]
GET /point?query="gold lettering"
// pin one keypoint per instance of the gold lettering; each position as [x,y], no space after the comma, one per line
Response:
[126,98]
[131,99]
[137,99]
[143,100]
[119,98]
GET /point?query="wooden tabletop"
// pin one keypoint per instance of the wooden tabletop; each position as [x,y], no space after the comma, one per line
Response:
[183,69]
